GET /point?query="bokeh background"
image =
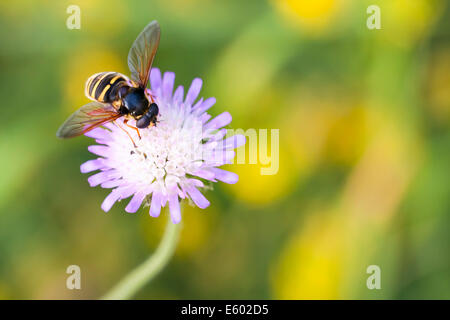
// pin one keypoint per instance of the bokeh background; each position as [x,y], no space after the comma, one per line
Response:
[364,169]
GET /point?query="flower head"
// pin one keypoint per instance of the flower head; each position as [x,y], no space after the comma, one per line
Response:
[170,161]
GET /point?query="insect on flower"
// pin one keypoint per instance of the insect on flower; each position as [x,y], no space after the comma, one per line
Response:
[115,96]
[163,163]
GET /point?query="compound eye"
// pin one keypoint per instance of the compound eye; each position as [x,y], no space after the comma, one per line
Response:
[153,110]
[143,122]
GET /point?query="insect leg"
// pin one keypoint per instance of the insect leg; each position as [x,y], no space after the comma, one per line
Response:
[117,124]
[125,122]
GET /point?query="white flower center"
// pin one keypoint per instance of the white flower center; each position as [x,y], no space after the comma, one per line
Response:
[165,153]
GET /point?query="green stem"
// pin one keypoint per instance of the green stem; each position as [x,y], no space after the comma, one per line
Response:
[150,268]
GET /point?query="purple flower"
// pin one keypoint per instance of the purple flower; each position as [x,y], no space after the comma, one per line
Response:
[172,160]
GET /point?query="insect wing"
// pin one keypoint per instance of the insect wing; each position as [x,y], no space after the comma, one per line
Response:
[88,117]
[142,53]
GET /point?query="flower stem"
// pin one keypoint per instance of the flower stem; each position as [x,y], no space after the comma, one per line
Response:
[150,268]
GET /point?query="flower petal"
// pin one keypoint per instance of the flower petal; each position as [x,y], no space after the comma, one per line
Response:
[215,135]
[205,174]
[194,90]
[197,104]
[195,183]
[155,79]
[208,103]
[225,176]
[155,206]
[116,195]
[204,118]
[112,183]
[198,198]
[234,142]
[99,134]
[178,95]
[102,151]
[92,165]
[110,200]
[135,202]
[102,177]
[219,157]
[167,85]
[220,121]
[174,206]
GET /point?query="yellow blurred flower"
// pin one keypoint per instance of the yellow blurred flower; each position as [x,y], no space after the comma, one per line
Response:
[314,17]
[310,266]
[379,181]
[327,257]
[83,62]
[404,22]
[324,125]
[259,190]
[347,137]
[306,128]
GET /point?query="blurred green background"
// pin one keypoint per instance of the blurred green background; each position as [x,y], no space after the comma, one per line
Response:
[364,170]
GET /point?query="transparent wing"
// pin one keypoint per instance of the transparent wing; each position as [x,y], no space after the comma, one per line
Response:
[142,53]
[88,117]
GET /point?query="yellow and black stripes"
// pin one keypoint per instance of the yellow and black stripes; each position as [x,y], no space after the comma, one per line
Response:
[100,86]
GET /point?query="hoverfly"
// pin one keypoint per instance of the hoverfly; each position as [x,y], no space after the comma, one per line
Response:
[114,95]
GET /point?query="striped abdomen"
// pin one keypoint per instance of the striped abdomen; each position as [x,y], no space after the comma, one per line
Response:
[102,87]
